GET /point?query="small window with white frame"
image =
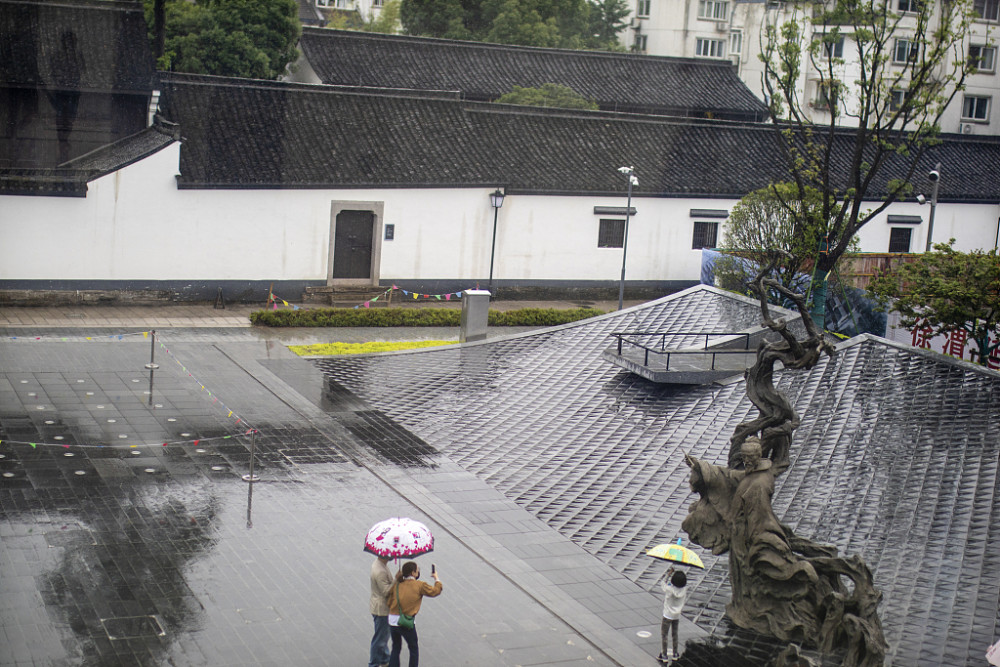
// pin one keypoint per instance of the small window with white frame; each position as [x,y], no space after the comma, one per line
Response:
[736,42]
[905,51]
[976,108]
[709,48]
[983,58]
[642,9]
[639,45]
[714,10]
[987,10]
[826,95]
[909,6]
[833,47]
[898,97]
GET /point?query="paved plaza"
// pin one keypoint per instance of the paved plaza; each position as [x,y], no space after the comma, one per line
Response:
[128,535]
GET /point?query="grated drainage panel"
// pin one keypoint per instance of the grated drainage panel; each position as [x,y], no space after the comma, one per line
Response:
[132,627]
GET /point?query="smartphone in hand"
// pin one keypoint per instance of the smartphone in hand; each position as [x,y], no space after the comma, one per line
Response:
[433,568]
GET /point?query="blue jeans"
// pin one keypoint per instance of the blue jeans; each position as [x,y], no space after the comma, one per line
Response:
[379,653]
[398,635]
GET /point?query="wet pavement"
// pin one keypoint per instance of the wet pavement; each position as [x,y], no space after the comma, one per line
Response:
[128,535]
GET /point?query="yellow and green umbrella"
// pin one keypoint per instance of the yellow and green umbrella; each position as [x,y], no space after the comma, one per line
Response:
[675,553]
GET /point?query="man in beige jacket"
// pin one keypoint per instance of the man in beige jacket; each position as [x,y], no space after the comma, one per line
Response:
[381,583]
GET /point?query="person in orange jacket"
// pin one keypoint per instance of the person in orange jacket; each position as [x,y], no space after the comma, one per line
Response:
[407,593]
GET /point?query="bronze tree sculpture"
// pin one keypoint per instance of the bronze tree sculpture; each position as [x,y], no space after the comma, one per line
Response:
[783,585]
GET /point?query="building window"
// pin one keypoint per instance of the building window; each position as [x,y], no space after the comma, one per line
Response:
[377,3]
[906,51]
[908,5]
[826,95]
[710,48]
[335,4]
[987,9]
[899,239]
[983,58]
[706,235]
[611,234]
[736,43]
[833,48]
[715,10]
[640,43]
[642,9]
[896,99]
[976,107]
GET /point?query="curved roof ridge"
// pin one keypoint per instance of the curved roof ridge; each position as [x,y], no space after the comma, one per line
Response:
[465,43]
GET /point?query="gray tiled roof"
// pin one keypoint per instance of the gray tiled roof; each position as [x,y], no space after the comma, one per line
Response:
[484,72]
[123,152]
[896,460]
[256,134]
[76,45]
[71,178]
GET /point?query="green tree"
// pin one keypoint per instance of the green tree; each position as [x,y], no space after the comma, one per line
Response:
[948,291]
[240,38]
[548,23]
[548,95]
[607,19]
[434,18]
[386,21]
[345,19]
[775,230]
[896,103]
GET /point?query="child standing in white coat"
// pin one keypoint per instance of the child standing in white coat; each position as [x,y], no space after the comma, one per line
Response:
[675,593]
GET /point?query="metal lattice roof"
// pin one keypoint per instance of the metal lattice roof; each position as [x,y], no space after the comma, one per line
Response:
[896,458]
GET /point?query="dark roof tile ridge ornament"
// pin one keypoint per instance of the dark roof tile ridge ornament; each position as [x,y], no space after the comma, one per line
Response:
[122,153]
[215,80]
[492,46]
[620,116]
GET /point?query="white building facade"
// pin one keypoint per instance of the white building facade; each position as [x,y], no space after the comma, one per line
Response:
[724,29]
[135,226]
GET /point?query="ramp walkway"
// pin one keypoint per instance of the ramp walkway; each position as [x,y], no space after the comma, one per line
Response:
[684,357]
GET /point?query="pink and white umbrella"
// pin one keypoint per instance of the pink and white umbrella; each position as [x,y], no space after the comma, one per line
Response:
[399,537]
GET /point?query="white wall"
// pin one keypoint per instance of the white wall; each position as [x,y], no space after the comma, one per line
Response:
[973,226]
[136,225]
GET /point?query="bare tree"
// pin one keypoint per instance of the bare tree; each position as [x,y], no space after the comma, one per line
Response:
[884,80]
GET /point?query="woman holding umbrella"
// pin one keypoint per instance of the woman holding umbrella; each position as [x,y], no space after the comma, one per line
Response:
[674,596]
[400,537]
[674,587]
[404,601]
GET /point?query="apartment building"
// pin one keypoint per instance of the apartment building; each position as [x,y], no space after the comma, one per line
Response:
[732,30]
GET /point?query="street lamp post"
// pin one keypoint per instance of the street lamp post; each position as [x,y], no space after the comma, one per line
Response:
[496,201]
[632,180]
[934,176]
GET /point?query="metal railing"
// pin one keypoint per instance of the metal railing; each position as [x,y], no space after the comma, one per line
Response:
[661,351]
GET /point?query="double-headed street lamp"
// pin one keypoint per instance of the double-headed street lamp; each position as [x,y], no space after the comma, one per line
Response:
[632,180]
[934,176]
[496,201]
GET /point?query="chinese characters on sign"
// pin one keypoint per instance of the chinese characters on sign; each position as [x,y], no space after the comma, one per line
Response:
[954,343]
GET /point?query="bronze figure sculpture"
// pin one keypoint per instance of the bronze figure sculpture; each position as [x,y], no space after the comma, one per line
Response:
[783,585]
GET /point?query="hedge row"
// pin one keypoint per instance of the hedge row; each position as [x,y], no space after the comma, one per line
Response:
[413,317]
[335,349]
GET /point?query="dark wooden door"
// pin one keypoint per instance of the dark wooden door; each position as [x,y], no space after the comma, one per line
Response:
[352,247]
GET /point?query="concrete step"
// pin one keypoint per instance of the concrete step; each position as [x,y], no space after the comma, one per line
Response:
[347,297]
